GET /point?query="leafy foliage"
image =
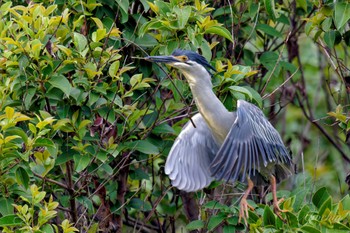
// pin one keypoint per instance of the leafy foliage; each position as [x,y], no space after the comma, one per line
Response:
[90,126]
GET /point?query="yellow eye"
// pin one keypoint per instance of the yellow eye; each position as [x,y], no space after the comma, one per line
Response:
[182,58]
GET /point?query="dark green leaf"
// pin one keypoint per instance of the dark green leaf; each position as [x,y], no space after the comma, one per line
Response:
[269,218]
[215,221]
[139,204]
[320,197]
[81,162]
[163,128]
[10,220]
[332,38]
[143,146]
[270,8]
[229,229]
[268,30]
[195,225]
[6,207]
[213,205]
[346,37]
[60,82]
[22,177]
[269,59]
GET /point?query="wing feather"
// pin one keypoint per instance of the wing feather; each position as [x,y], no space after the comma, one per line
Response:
[251,144]
[188,162]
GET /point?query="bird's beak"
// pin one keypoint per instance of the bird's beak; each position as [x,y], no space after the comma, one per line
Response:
[162,59]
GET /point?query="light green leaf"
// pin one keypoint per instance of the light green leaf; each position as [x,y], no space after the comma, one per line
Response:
[80,41]
[60,82]
[218,30]
[242,90]
[183,15]
[309,229]
[113,69]
[341,14]
[195,225]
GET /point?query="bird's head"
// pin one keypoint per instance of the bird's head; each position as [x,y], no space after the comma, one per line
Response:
[191,64]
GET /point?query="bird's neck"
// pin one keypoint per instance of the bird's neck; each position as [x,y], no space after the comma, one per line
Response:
[218,118]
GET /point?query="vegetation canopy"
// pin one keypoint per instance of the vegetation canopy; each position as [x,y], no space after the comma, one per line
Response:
[85,126]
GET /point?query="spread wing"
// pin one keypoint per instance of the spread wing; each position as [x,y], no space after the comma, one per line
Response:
[188,162]
[251,144]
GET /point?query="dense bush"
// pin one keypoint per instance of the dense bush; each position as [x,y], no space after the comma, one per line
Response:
[85,126]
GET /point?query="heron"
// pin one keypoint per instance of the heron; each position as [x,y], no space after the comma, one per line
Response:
[222,145]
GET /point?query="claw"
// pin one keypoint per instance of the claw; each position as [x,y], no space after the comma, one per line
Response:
[243,210]
[244,206]
[276,202]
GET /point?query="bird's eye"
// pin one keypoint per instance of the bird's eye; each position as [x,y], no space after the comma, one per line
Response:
[183,58]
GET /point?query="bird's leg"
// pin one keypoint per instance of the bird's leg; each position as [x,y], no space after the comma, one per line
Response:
[275,201]
[243,207]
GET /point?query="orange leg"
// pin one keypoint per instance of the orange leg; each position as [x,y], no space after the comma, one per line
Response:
[275,201]
[243,208]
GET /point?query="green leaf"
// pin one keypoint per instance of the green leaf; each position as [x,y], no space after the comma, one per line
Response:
[80,41]
[214,205]
[6,207]
[327,204]
[320,197]
[268,30]
[163,128]
[242,90]
[183,15]
[221,31]
[229,229]
[309,229]
[143,146]
[81,162]
[60,82]
[140,205]
[303,213]
[47,228]
[269,59]
[22,177]
[10,220]
[269,218]
[113,69]
[93,228]
[346,37]
[195,225]
[341,14]
[270,8]
[214,221]
[332,38]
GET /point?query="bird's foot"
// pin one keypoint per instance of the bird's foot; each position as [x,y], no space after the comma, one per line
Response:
[243,210]
[278,210]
